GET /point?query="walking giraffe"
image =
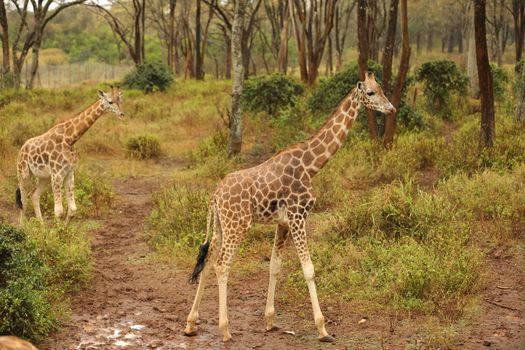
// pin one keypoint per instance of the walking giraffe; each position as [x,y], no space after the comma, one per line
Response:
[50,157]
[278,191]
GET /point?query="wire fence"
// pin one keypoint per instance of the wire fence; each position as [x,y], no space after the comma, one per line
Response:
[53,76]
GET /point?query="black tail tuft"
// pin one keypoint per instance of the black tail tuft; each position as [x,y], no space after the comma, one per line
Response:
[201,261]
[19,199]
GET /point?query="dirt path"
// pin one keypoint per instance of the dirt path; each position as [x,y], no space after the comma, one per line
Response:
[133,303]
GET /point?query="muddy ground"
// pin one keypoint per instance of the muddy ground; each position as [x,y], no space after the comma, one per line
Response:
[133,302]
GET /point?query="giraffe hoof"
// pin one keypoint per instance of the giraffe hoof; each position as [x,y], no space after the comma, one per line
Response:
[190,334]
[327,339]
[273,329]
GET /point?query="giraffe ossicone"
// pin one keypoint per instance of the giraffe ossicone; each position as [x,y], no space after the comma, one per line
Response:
[50,157]
[278,191]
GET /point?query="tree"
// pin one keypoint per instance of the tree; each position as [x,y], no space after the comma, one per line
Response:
[312,23]
[472,69]
[29,34]
[518,16]
[42,15]
[163,18]
[277,14]
[485,76]
[225,12]
[4,36]
[520,108]
[235,142]
[390,124]
[343,12]
[131,33]
[363,42]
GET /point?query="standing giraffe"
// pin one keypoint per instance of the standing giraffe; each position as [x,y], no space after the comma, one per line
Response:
[278,191]
[50,157]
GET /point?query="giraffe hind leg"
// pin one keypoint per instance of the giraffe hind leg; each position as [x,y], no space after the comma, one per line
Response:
[205,268]
[22,193]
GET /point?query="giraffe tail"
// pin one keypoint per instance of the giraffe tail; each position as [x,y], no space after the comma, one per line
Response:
[204,248]
[19,204]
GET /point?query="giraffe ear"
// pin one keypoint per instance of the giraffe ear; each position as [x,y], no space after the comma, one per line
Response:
[360,86]
[101,94]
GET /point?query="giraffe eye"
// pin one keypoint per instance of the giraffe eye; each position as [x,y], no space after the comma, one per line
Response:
[110,102]
[370,93]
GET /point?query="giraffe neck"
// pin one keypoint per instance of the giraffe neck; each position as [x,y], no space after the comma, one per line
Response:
[330,137]
[77,126]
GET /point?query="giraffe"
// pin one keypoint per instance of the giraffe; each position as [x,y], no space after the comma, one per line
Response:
[278,191]
[50,157]
[15,343]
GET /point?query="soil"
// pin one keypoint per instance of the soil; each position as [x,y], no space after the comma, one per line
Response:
[134,302]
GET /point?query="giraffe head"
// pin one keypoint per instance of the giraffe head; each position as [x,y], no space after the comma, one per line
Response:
[112,101]
[372,96]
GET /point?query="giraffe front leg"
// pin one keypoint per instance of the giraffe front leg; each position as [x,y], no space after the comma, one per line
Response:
[40,188]
[299,238]
[56,184]
[69,184]
[281,235]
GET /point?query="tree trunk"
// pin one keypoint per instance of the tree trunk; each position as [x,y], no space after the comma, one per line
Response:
[518,15]
[430,40]
[282,61]
[198,58]
[460,41]
[235,142]
[34,58]
[389,47]
[520,108]
[472,68]
[390,123]
[485,76]
[363,58]
[6,61]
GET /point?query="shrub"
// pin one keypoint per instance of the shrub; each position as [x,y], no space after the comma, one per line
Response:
[500,79]
[93,194]
[398,246]
[211,158]
[38,267]
[148,77]
[441,78]
[330,91]
[143,147]
[177,222]
[24,308]
[270,93]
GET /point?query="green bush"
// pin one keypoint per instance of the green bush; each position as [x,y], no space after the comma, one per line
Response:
[398,246]
[499,79]
[149,76]
[38,267]
[270,93]
[330,91]
[211,158]
[441,79]
[143,147]
[24,307]
[93,194]
[177,222]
